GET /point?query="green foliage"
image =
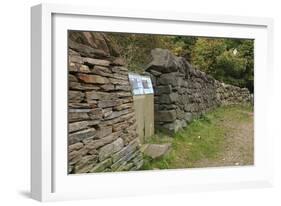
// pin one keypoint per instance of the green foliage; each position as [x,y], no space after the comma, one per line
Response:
[230,68]
[246,49]
[228,60]
[205,53]
[183,46]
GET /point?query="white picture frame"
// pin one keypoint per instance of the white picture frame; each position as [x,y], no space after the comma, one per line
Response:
[49,179]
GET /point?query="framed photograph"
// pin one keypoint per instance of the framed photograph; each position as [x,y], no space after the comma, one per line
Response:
[135,102]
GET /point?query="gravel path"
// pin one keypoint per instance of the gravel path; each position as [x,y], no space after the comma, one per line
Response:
[238,148]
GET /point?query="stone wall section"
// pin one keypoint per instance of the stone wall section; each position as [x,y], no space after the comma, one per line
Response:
[183,93]
[102,126]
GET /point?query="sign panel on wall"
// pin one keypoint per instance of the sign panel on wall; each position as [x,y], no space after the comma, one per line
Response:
[147,85]
[140,84]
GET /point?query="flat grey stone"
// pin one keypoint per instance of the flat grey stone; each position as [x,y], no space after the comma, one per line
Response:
[156,150]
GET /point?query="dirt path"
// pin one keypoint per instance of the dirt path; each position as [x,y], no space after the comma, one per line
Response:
[238,146]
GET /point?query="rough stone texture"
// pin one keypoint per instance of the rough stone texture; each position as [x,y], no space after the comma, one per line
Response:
[102,134]
[156,150]
[183,93]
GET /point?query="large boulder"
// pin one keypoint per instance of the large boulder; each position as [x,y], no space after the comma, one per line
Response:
[156,151]
[163,61]
[166,116]
[183,65]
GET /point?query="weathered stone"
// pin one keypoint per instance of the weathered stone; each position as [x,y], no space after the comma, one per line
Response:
[107,112]
[96,40]
[163,90]
[86,164]
[117,114]
[72,127]
[119,61]
[102,165]
[75,146]
[79,105]
[123,87]
[84,69]
[138,162]
[94,95]
[155,73]
[108,103]
[104,131]
[99,62]
[189,108]
[82,86]
[168,98]
[166,116]
[169,79]
[125,167]
[130,148]
[180,114]
[76,59]
[73,154]
[173,127]
[123,94]
[77,116]
[95,79]
[155,151]
[167,107]
[79,110]
[102,71]
[183,123]
[72,78]
[123,106]
[117,119]
[74,157]
[75,96]
[119,69]
[163,61]
[120,76]
[70,169]
[95,114]
[79,136]
[126,158]
[73,67]
[108,87]
[109,149]
[188,117]
[131,128]
[119,81]
[96,144]
[93,122]
[85,50]
[120,126]
[126,99]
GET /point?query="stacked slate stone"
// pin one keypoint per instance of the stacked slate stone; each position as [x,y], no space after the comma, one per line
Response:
[183,93]
[102,126]
[229,94]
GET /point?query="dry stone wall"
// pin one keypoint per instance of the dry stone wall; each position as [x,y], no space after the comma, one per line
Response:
[102,126]
[182,92]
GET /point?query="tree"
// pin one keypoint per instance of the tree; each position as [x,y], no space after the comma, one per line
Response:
[246,49]
[228,60]
[230,67]
[183,46]
[205,53]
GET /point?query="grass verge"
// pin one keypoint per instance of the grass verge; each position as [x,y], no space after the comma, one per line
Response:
[203,138]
